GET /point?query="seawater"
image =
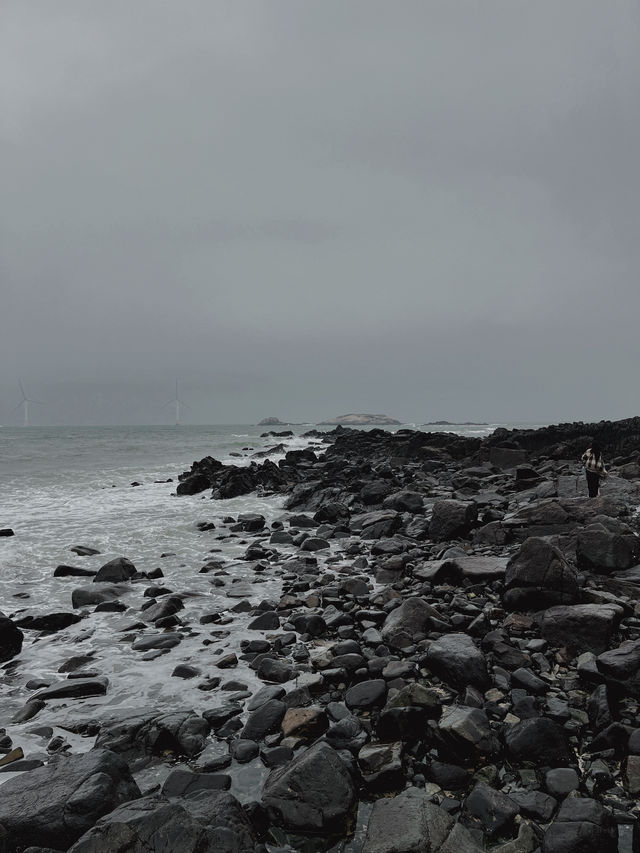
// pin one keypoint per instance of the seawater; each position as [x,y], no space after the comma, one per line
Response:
[67,486]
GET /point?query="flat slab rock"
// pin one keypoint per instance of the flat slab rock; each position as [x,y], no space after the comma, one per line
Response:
[458,568]
[73,688]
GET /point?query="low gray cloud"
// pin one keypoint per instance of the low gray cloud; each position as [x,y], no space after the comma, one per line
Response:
[301,209]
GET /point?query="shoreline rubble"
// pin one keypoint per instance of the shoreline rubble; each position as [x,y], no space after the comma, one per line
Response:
[453,663]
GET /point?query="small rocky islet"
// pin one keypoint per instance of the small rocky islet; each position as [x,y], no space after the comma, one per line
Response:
[453,663]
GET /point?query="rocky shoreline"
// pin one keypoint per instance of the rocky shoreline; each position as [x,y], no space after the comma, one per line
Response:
[453,663]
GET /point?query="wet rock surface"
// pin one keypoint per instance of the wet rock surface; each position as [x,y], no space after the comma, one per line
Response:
[452,662]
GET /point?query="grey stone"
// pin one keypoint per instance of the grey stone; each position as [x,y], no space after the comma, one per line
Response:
[55,804]
[409,823]
[409,622]
[208,822]
[313,793]
[452,519]
[539,576]
[115,571]
[585,627]
[457,660]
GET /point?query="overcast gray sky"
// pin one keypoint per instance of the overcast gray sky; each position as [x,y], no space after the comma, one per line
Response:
[300,208]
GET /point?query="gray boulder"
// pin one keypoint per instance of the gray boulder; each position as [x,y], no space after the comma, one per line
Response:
[457,660]
[135,733]
[622,661]
[599,550]
[539,576]
[55,804]
[409,823]
[585,627]
[538,740]
[85,596]
[582,826]
[465,733]
[211,822]
[495,810]
[265,719]
[409,622]
[452,519]
[313,793]
[115,571]
[405,501]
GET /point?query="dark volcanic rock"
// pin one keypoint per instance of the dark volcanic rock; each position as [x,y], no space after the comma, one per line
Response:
[313,793]
[73,688]
[409,622]
[115,571]
[55,804]
[10,638]
[539,576]
[51,622]
[585,627]
[539,740]
[265,719]
[457,660]
[409,823]
[601,551]
[452,519]
[622,661]
[193,485]
[495,810]
[582,826]
[367,694]
[466,733]
[205,822]
[136,733]
[63,571]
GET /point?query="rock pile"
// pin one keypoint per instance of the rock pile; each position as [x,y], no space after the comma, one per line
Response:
[453,665]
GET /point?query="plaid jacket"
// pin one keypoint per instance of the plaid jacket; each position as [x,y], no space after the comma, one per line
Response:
[596,466]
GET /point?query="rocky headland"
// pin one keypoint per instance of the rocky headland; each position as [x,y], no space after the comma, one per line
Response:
[453,663]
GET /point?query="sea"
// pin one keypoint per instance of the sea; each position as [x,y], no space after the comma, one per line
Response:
[112,489]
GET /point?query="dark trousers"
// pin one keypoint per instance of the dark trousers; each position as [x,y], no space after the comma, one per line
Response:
[593,481]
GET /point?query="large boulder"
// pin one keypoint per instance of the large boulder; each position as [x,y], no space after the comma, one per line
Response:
[405,501]
[582,826]
[207,822]
[410,823]
[538,740]
[585,627]
[313,793]
[10,638]
[539,576]
[55,804]
[452,519]
[600,550]
[409,622]
[465,734]
[134,733]
[115,571]
[457,660]
[193,485]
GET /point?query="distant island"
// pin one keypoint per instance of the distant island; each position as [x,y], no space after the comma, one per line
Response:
[360,420]
[278,422]
[455,423]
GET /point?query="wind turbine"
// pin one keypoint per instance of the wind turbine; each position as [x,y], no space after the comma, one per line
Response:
[25,403]
[178,403]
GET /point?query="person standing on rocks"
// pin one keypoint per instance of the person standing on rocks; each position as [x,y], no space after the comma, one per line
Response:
[594,468]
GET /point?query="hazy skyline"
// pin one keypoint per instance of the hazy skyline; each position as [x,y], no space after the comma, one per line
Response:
[429,209]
